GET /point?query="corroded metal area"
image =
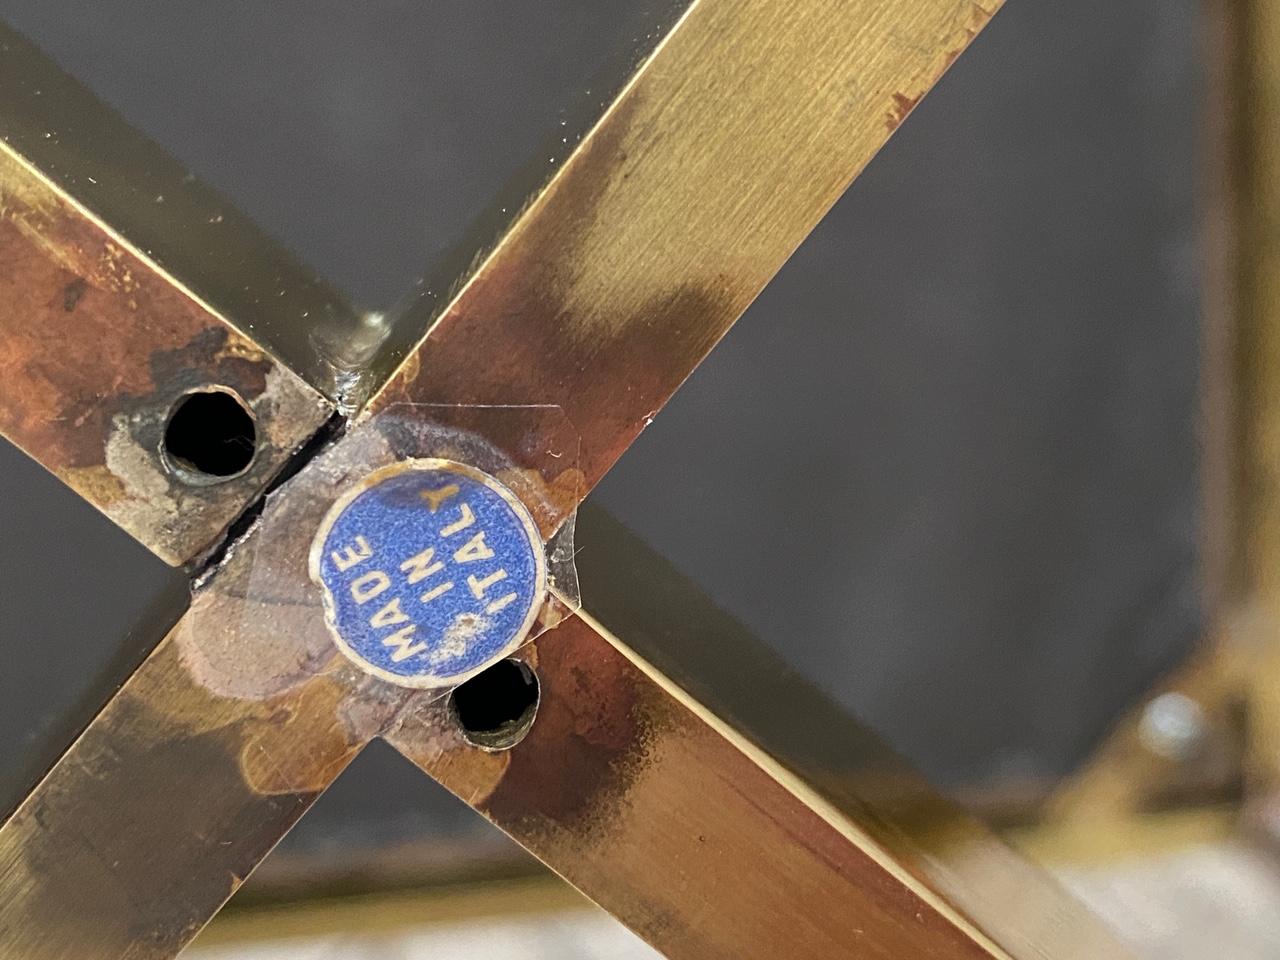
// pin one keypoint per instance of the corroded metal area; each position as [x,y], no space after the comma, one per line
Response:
[97,345]
[711,167]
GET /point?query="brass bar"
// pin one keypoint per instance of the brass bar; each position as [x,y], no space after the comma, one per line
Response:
[694,827]
[714,163]
[97,345]
[191,232]
[217,744]
[158,813]
[1225,114]
[1131,775]
[100,336]
[675,826]
[707,846]
[723,666]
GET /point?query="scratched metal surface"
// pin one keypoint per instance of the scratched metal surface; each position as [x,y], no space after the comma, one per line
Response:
[970,476]
[97,345]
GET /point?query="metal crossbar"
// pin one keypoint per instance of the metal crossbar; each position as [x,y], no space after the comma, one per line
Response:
[720,155]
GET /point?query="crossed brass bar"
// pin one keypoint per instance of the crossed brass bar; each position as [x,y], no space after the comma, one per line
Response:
[698,183]
[729,775]
[717,159]
[177,224]
[99,345]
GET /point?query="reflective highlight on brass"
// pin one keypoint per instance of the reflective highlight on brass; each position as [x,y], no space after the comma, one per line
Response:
[706,173]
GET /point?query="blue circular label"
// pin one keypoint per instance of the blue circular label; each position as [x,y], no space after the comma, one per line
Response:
[431,570]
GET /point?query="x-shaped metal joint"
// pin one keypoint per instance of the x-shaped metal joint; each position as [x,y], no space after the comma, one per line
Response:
[720,155]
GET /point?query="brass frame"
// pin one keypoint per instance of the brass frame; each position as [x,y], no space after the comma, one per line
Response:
[654,799]
[1228,783]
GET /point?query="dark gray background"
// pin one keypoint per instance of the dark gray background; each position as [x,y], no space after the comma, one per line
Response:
[946,464]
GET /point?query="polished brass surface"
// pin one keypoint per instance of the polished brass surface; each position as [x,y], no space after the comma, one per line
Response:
[698,842]
[215,746]
[159,811]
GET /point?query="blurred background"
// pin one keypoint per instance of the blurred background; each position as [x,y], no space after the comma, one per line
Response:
[986,464]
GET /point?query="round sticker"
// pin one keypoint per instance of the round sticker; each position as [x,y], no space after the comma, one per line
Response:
[431,571]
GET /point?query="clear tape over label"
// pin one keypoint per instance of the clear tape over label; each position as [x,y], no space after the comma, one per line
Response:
[425,545]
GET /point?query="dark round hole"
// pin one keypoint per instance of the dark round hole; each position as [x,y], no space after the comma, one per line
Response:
[495,709]
[210,436]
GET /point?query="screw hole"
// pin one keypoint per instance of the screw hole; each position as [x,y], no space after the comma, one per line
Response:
[210,436]
[495,709]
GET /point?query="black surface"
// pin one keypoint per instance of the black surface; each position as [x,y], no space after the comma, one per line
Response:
[367,136]
[945,465]
[947,462]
